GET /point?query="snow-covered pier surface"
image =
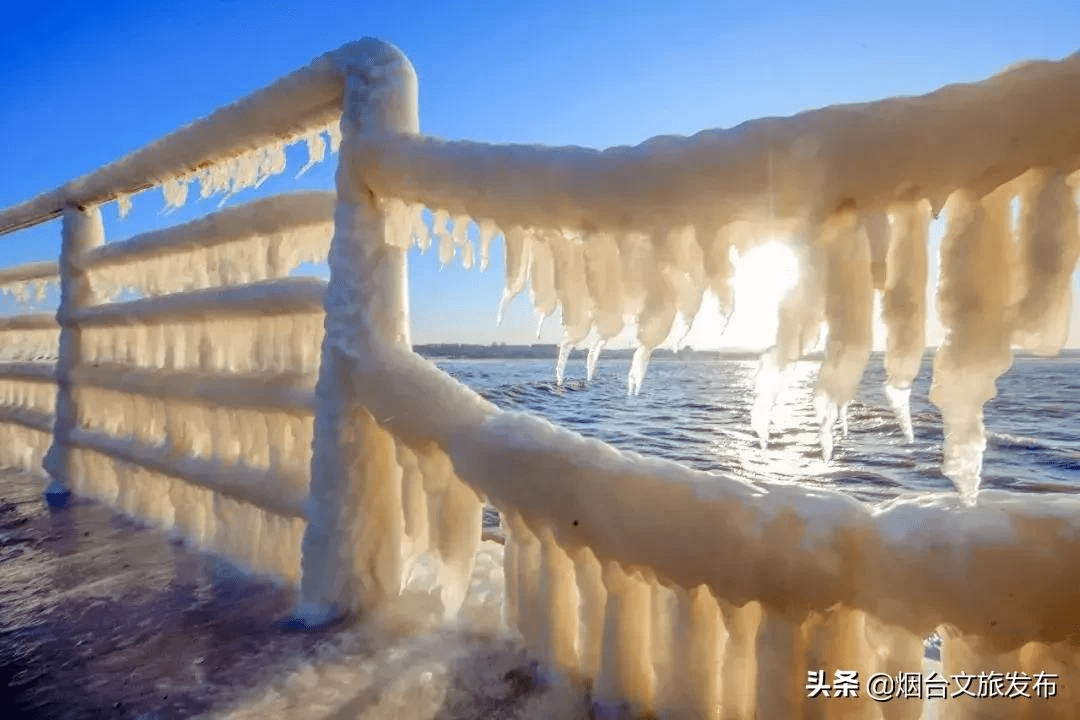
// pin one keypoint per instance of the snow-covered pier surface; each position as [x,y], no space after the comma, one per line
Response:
[359,472]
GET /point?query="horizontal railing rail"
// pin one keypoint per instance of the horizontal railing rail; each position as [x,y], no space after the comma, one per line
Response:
[249,485]
[271,297]
[45,372]
[19,280]
[30,271]
[289,392]
[275,215]
[29,321]
[26,417]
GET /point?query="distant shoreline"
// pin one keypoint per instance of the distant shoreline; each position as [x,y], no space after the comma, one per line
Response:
[454,351]
[550,351]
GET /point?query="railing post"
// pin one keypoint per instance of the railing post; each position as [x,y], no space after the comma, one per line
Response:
[82,231]
[353,543]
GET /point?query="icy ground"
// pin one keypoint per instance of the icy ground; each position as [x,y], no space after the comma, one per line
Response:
[104,617]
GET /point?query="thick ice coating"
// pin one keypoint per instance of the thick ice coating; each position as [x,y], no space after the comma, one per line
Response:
[261,240]
[677,593]
[634,235]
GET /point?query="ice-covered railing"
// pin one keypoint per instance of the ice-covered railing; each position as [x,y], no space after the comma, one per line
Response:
[27,388]
[679,593]
[639,233]
[186,357]
[186,374]
[28,343]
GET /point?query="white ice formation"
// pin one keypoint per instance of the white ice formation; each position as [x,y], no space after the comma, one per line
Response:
[203,404]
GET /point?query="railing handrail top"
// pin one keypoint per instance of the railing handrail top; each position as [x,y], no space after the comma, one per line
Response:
[29,272]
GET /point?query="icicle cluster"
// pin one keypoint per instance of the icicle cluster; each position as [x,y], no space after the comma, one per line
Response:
[251,168]
[235,263]
[1001,284]
[22,447]
[667,651]
[35,395]
[178,418]
[28,345]
[270,344]
[30,282]
[276,442]
[255,538]
[442,519]
[257,241]
[634,235]
[600,282]
[28,291]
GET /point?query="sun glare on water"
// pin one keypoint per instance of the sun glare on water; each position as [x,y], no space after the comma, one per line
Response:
[762,276]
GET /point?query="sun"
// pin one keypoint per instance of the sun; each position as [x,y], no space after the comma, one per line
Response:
[762,275]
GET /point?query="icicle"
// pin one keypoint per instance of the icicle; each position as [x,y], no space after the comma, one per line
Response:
[560,364]
[571,285]
[460,236]
[271,163]
[782,643]
[1048,252]
[488,231]
[17,290]
[699,643]
[849,302]
[637,369]
[801,311]
[603,277]
[417,229]
[467,257]
[414,502]
[439,221]
[903,306]
[687,270]
[398,223]
[826,414]
[719,269]
[175,192]
[594,357]
[592,603]
[560,606]
[123,204]
[459,536]
[518,262]
[333,131]
[766,389]
[529,563]
[899,399]
[976,264]
[659,306]
[542,278]
[626,669]
[316,150]
[455,520]
[876,227]
[661,642]
[511,550]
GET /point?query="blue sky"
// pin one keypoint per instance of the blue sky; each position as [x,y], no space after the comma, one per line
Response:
[83,84]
